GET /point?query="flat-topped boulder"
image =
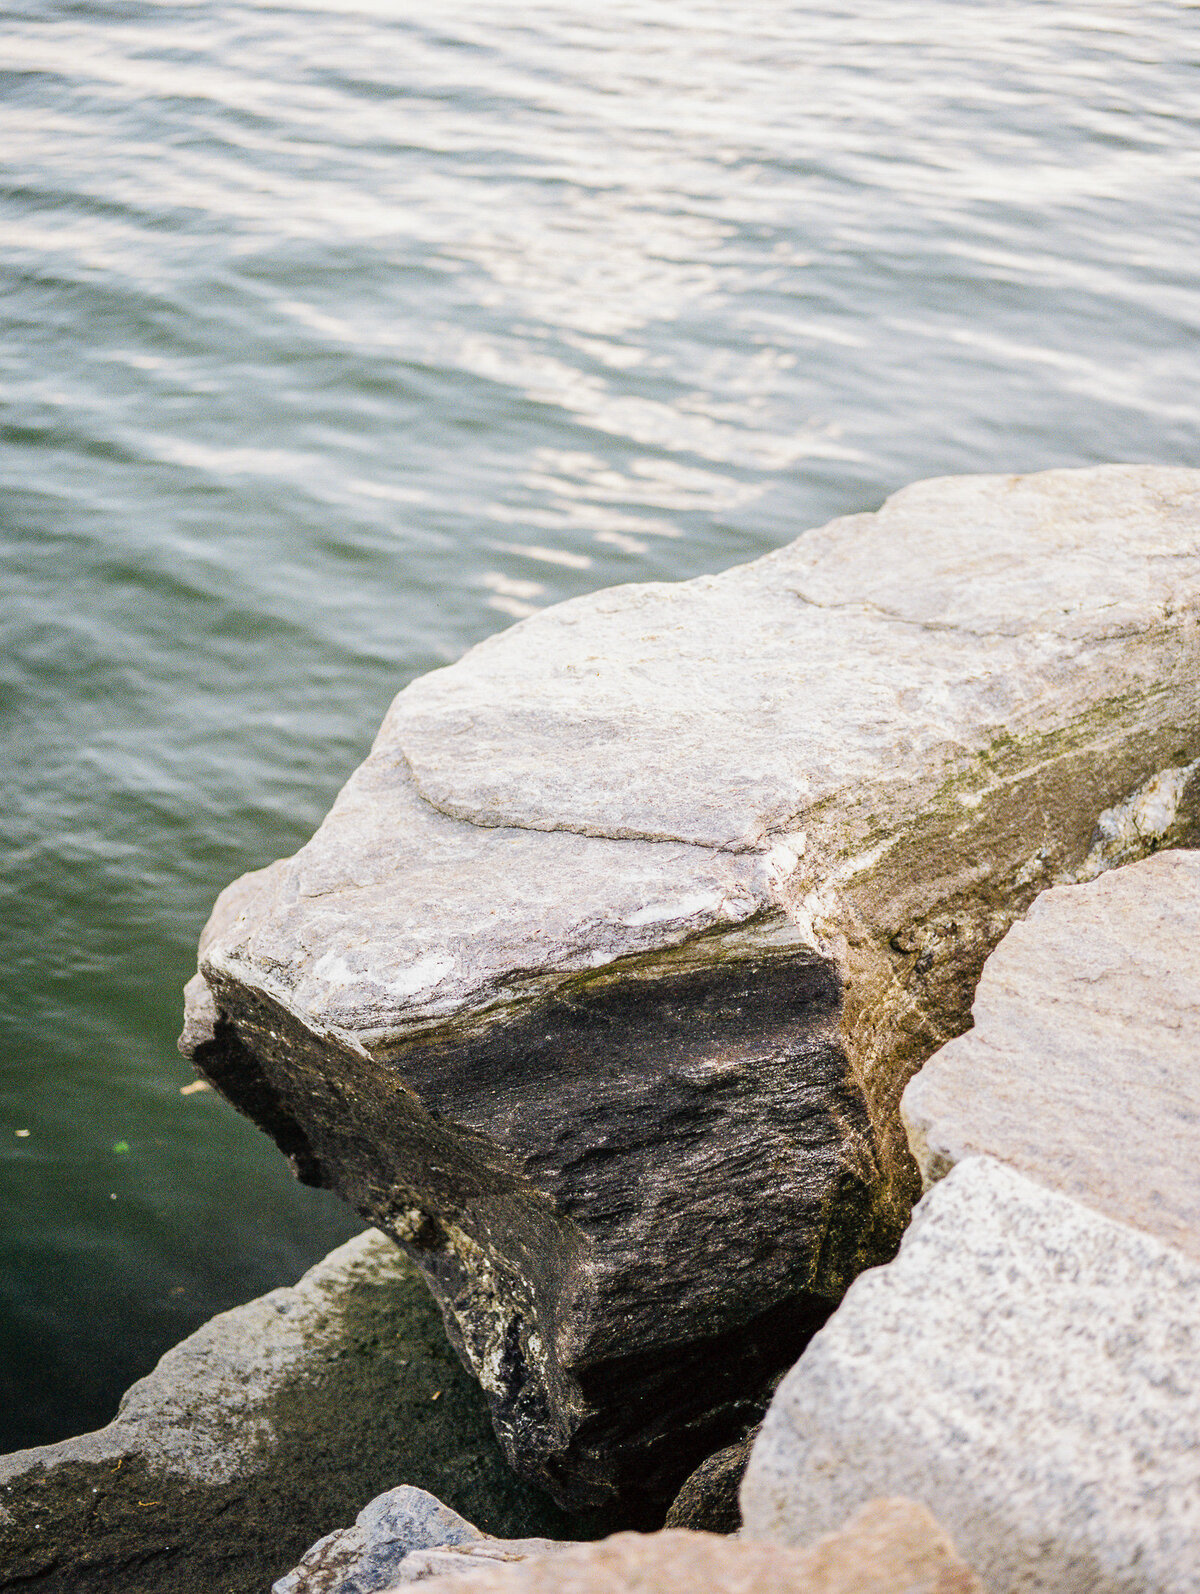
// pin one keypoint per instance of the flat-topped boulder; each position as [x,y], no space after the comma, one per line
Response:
[599,985]
[1026,1368]
[1083,1068]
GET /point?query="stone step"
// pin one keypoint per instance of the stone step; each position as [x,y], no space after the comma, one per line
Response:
[265,1428]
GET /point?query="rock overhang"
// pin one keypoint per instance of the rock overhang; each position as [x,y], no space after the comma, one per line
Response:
[394,918]
[600,983]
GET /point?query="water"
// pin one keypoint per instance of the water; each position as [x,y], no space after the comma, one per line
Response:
[336,334]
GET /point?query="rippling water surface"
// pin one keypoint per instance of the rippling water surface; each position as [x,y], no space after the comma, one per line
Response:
[337,334]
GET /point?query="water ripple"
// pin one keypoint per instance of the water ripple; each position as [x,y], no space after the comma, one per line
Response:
[335,333]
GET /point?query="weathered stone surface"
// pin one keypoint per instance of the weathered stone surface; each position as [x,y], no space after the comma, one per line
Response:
[708,1501]
[264,1429]
[1026,1367]
[600,983]
[453,1559]
[890,1547]
[405,1536]
[1083,1068]
[367,1556]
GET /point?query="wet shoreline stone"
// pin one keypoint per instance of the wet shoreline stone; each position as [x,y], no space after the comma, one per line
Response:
[599,986]
[270,1425]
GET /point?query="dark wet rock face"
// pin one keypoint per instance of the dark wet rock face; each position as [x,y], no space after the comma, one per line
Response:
[644,1161]
[600,984]
[708,1501]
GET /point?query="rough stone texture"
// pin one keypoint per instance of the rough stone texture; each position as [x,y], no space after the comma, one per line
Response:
[708,1501]
[405,1536]
[890,1547]
[265,1428]
[1083,1068]
[1027,1368]
[453,1559]
[367,1556]
[599,985]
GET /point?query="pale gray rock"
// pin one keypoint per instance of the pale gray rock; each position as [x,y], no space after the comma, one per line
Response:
[404,1536]
[876,651]
[1083,1068]
[377,1551]
[258,1432]
[599,985]
[889,1547]
[1026,1369]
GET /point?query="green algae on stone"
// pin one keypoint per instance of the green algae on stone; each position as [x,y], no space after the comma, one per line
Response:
[377,1398]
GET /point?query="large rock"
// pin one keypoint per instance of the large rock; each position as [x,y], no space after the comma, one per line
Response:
[1026,1368]
[265,1428]
[890,1547]
[1083,1068]
[600,983]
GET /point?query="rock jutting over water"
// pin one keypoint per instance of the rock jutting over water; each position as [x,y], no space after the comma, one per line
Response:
[599,985]
[1026,1368]
[1083,1068]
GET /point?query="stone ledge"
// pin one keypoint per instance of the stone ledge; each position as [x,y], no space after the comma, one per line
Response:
[267,1427]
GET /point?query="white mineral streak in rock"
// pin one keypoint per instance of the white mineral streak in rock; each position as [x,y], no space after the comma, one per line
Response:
[202,1414]
[456,1559]
[1126,831]
[1083,1068]
[1027,1369]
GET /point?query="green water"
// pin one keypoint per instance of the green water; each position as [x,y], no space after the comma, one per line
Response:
[335,335]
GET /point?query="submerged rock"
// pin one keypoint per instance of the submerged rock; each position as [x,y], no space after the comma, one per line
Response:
[1026,1368]
[890,1547]
[1083,1068]
[599,985]
[265,1428]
